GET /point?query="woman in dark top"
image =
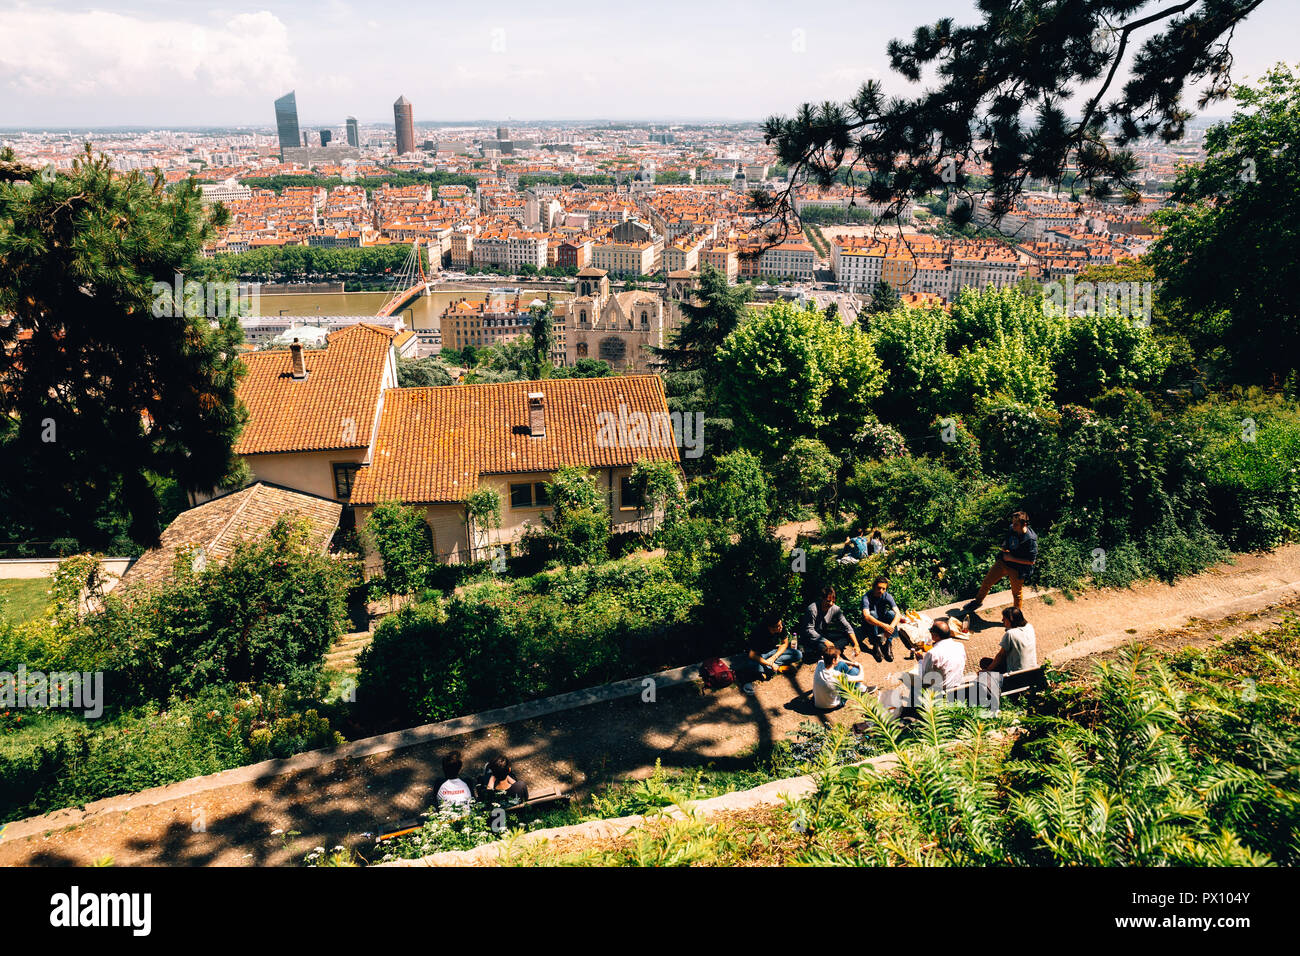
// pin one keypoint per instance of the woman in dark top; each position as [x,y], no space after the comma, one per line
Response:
[499,785]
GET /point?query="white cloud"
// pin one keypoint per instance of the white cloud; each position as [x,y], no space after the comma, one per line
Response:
[49,52]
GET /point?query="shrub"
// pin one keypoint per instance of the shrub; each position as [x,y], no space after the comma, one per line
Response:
[1251,444]
[58,760]
[577,529]
[267,613]
[402,538]
[805,475]
[501,642]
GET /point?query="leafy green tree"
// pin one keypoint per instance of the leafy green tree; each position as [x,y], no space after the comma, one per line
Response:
[788,373]
[402,538]
[1226,256]
[1103,351]
[913,348]
[658,484]
[584,368]
[108,386]
[736,496]
[483,512]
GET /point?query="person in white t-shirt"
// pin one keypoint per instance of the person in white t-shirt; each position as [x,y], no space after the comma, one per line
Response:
[453,791]
[944,665]
[826,678]
[1018,650]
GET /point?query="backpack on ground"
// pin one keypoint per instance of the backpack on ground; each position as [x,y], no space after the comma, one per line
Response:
[716,674]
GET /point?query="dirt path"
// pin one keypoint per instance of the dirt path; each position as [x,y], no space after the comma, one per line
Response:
[683,727]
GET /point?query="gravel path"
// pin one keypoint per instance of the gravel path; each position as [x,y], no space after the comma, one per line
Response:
[684,727]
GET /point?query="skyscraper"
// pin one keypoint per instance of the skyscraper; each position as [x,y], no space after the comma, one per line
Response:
[354,132]
[404,119]
[325,137]
[286,122]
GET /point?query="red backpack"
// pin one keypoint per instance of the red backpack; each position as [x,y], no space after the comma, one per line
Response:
[716,674]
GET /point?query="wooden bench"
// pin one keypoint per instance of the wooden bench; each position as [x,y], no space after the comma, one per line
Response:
[1031,680]
[545,796]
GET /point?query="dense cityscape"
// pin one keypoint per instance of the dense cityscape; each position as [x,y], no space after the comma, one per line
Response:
[905,480]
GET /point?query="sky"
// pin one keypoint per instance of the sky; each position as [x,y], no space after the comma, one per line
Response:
[184,63]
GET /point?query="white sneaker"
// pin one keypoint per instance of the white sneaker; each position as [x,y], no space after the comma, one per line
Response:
[748,689]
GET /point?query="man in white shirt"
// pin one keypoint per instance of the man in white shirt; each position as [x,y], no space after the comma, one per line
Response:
[826,678]
[453,791]
[944,665]
[1018,650]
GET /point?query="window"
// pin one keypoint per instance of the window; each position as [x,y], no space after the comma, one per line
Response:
[630,497]
[521,496]
[344,476]
[540,497]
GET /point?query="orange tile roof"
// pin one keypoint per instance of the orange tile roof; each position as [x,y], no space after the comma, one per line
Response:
[334,407]
[435,443]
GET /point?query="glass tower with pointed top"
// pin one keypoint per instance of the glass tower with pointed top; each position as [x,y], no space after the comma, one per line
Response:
[286,122]
[404,120]
[354,132]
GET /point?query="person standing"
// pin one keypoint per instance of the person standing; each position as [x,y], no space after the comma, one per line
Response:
[1019,553]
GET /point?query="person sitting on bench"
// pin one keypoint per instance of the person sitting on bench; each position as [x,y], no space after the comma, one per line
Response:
[771,649]
[826,678]
[1018,650]
[499,785]
[943,667]
[452,791]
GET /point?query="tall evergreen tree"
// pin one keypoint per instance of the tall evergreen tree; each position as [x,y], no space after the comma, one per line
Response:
[999,93]
[107,384]
[884,298]
[707,322]
[690,359]
[543,340]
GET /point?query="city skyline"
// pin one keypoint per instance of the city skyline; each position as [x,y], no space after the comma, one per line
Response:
[88,68]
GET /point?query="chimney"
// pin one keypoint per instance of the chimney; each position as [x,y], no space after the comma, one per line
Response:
[299,365]
[536,415]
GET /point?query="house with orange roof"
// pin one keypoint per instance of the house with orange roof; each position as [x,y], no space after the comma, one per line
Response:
[434,447]
[312,413]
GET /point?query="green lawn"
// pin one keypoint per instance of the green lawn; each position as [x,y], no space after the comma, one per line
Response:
[23,598]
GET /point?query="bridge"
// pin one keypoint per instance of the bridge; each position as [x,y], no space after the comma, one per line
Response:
[409,283]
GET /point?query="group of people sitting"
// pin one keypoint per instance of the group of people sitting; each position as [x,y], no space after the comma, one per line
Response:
[825,634]
[497,784]
[859,546]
